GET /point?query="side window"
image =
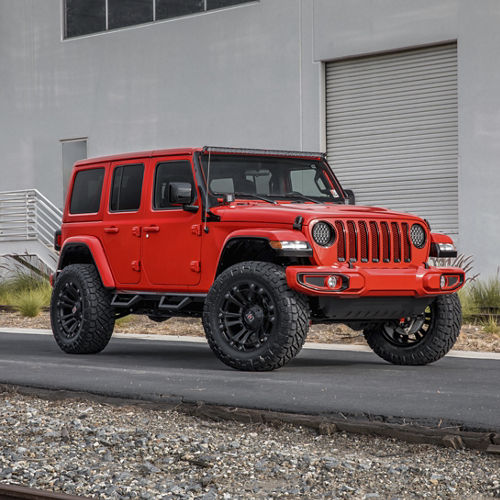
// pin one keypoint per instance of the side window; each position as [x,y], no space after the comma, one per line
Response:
[126,188]
[166,173]
[307,182]
[87,189]
[223,185]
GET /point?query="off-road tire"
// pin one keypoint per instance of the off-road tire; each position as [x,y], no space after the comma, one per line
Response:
[439,339]
[289,329]
[97,316]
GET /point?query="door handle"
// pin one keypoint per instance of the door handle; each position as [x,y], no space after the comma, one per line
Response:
[151,229]
[112,229]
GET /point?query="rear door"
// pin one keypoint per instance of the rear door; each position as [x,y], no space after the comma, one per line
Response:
[172,235]
[122,221]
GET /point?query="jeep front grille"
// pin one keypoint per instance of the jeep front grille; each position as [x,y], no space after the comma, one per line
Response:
[373,241]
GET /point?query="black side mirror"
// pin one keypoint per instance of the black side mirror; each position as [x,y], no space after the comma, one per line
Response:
[350,198]
[180,193]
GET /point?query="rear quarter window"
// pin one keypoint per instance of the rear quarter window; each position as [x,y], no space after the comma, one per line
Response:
[87,190]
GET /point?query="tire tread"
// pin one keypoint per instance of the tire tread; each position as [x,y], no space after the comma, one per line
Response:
[294,307]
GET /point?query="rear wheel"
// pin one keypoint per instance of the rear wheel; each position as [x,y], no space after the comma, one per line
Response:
[81,315]
[252,319]
[421,339]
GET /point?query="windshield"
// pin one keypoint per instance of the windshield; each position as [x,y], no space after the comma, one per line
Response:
[294,179]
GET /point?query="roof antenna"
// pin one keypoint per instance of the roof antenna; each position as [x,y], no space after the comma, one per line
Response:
[208,188]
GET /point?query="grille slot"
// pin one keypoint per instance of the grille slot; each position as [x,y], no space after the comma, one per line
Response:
[352,235]
[341,250]
[373,241]
[396,241]
[406,243]
[363,239]
[386,242]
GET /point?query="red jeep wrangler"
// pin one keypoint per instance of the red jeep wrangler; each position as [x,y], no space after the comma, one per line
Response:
[258,243]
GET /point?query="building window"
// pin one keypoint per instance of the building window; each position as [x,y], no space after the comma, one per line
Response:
[123,13]
[176,8]
[84,17]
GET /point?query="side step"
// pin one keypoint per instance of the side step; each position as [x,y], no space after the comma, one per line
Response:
[167,304]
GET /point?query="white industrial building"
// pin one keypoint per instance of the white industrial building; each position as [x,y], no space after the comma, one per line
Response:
[403,95]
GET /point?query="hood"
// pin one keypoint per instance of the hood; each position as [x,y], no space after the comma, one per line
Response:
[286,213]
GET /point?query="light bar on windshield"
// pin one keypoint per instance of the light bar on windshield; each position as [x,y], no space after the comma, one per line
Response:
[263,152]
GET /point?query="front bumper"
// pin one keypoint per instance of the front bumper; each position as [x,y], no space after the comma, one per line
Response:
[375,282]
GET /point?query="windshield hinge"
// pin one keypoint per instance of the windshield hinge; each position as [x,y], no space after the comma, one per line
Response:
[299,221]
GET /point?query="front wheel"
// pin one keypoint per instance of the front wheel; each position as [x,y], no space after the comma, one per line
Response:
[252,319]
[421,339]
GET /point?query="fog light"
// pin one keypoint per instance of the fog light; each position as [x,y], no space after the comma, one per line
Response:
[442,281]
[332,281]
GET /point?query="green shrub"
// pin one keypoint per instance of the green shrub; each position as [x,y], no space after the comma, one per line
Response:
[490,325]
[28,293]
[485,295]
[30,302]
[469,309]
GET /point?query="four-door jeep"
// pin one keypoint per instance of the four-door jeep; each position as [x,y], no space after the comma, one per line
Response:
[260,244]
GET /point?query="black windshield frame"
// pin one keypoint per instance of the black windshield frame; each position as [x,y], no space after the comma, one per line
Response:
[277,162]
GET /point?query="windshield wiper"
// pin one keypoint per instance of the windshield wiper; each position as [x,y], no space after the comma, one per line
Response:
[299,196]
[256,196]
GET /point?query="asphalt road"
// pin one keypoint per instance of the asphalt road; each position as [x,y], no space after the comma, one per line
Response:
[455,390]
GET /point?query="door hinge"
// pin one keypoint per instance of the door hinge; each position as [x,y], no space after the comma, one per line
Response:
[136,265]
[136,231]
[196,229]
[195,266]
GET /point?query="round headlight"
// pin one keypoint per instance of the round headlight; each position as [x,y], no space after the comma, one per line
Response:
[418,236]
[323,234]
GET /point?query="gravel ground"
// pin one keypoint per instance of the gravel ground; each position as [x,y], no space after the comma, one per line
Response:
[472,338]
[105,451]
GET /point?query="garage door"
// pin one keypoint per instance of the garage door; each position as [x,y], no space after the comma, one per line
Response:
[392,131]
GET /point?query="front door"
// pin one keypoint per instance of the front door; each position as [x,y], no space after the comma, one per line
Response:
[122,222]
[171,242]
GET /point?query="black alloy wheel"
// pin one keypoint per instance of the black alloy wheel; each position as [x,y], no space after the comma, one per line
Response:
[409,331]
[422,339]
[69,303]
[252,319]
[247,316]
[81,315]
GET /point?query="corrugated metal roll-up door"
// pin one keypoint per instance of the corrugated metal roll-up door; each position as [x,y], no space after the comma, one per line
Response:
[392,131]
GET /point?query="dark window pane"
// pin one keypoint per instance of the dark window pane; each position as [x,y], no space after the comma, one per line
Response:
[166,173]
[175,8]
[84,17]
[126,188]
[129,12]
[87,188]
[218,4]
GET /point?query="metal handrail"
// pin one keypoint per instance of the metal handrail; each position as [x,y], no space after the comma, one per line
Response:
[28,215]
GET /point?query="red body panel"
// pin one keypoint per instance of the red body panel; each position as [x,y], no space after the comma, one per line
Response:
[100,258]
[169,250]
